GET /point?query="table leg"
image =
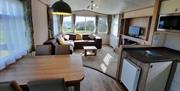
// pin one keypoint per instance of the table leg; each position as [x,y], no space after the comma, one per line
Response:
[77,87]
[95,52]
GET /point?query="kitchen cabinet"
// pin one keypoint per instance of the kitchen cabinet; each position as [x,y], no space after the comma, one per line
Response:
[156,66]
[170,6]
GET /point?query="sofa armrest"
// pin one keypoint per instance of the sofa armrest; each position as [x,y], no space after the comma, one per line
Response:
[98,42]
[62,49]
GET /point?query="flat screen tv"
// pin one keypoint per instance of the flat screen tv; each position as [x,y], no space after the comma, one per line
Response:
[169,22]
[134,31]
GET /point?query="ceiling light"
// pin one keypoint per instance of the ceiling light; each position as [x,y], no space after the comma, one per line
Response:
[61,8]
[94,5]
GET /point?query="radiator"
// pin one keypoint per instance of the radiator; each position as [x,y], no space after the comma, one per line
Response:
[130,75]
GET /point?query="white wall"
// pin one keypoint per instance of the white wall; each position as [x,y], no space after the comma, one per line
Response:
[172,41]
[40,25]
[105,38]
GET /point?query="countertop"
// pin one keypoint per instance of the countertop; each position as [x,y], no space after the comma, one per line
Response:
[153,54]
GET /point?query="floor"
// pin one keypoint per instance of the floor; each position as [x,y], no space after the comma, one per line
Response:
[105,61]
[96,81]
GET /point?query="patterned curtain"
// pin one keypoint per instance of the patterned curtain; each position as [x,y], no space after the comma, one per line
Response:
[97,20]
[29,22]
[61,23]
[73,23]
[50,22]
[109,21]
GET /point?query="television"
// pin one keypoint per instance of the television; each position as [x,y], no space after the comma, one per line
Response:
[169,22]
[134,31]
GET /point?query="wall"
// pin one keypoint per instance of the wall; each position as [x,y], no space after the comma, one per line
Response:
[40,25]
[172,41]
[105,38]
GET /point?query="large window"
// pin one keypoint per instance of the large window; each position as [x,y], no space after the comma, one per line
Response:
[67,24]
[14,39]
[102,24]
[85,24]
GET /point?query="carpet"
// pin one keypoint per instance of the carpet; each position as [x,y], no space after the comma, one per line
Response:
[105,61]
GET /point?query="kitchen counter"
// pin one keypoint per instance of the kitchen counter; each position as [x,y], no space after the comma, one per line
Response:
[153,54]
[155,63]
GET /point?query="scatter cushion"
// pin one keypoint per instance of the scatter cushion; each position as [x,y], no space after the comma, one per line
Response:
[69,42]
[91,36]
[79,37]
[66,37]
[61,40]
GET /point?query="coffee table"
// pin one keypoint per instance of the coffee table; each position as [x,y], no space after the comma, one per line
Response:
[90,50]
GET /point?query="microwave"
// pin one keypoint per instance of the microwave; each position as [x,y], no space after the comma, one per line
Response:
[169,23]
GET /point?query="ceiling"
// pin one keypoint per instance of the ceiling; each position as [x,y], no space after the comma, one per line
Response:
[106,6]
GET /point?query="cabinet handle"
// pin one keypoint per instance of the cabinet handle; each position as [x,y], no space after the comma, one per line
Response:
[151,66]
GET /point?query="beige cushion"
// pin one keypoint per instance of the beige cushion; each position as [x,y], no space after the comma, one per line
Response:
[79,37]
[61,40]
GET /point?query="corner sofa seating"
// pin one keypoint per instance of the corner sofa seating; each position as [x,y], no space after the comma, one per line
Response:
[77,44]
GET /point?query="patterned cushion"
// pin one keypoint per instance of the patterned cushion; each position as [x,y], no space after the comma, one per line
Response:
[79,37]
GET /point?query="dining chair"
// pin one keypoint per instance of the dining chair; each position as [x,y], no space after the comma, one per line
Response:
[9,86]
[47,85]
[42,50]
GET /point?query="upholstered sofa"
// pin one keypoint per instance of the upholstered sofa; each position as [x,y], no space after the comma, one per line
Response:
[86,41]
[57,47]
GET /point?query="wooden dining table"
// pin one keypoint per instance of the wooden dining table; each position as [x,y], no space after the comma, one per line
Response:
[32,68]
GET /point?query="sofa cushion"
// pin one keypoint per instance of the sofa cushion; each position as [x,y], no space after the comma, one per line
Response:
[61,40]
[69,42]
[66,37]
[78,44]
[79,37]
[92,36]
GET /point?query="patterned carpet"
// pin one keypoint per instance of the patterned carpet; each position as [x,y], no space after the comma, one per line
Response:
[105,61]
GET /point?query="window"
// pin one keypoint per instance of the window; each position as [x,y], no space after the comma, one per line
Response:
[102,24]
[55,25]
[67,24]
[14,37]
[85,24]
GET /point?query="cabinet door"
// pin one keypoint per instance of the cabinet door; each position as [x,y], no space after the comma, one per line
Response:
[157,76]
[170,6]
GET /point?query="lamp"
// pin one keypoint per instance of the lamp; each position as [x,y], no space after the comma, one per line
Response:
[61,8]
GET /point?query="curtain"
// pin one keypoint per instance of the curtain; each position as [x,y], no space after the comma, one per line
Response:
[109,21]
[97,20]
[50,23]
[13,32]
[29,23]
[74,23]
[61,23]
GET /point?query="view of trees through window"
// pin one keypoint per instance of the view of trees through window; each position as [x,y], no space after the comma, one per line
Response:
[67,24]
[102,24]
[85,24]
